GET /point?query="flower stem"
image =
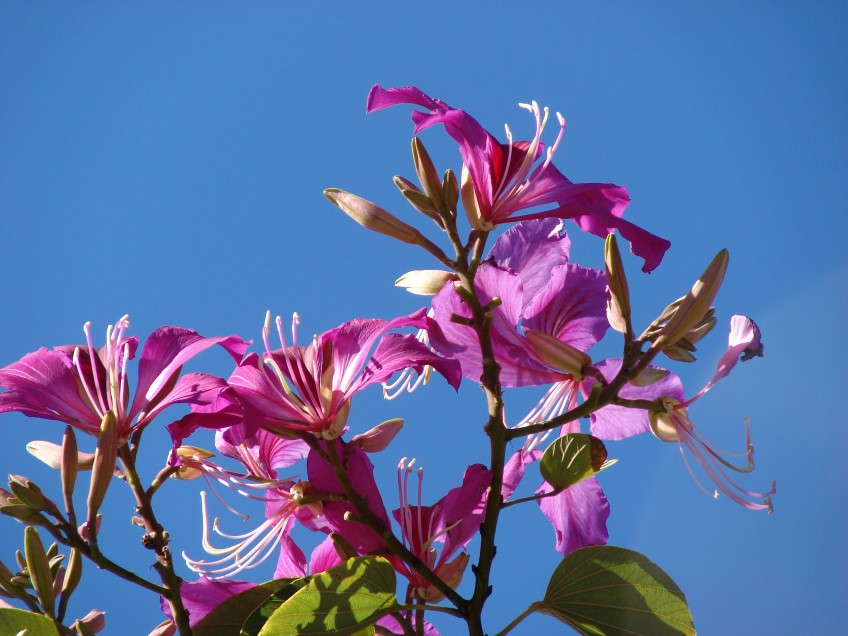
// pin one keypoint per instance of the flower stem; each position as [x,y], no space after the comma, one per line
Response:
[158,540]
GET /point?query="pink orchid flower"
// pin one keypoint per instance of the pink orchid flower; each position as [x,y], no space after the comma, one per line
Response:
[309,389]
[79,385]
[500,180]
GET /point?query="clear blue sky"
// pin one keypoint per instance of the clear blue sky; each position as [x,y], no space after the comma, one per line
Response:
[168,161]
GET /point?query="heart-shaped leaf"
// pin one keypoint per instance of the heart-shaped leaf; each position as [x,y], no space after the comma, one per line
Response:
[14,620]
[610,591]
[344,599]
[573,458]
[228,617]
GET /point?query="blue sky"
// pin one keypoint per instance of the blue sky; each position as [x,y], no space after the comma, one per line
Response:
[168,162]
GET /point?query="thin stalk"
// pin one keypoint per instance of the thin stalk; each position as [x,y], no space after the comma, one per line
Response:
[164,565]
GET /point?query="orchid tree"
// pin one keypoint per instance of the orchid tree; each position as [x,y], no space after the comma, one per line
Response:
[507,309]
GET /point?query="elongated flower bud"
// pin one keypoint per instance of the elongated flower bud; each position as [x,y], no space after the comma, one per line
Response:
[696,303]
[51,454]
[557,354]
[39,570]
[425,282]
[371,216]
[379,437]
[450,186]
[30,494]
[427,174]
[105,457]
[73,573]
[618,307]
[471,204]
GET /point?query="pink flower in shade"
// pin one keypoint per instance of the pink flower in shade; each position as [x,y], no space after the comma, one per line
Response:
[80,384]
[452,521]
[578,514]
[551,310]
[309,389]
[500,180]
[262,454]
[674,425]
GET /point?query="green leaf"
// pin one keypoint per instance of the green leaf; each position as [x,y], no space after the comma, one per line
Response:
[229,616]
[573,458]
[609,591]
[13,620]
[343,600]
[257,619]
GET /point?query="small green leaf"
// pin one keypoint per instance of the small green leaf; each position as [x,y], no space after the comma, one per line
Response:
[343,600]
[229,616]
[610,591]
[573,458]
[13,620]
[259,616]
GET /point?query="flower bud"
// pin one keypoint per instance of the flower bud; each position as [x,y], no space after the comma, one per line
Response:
[51,454]
[695,305]
[450,187]
[427,174]
[371,216]
[379,437]
[73,573]
[39,570]
[417,199]
[648,376]
[425,282]
[618,306]
[105,457]
[471,204]
[557,354]
[680,351]
[30,494]
[94,621]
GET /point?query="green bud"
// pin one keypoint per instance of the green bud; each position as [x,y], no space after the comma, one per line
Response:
[39,570]
[427,174]
[73,574]
[105,457]
[30,494]
[371,216]
[696,303]
[558,354]
[618,306]
[648,376]
[450,186]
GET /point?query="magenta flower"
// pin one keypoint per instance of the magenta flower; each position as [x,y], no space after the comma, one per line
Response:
[674,425]
[451,521]
[79,385]
[551,311]
[262,454]
[578,514]
[500,180]
[309,389]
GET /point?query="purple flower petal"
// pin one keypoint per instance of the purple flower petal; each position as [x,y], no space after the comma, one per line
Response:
[615,422]
[578,514]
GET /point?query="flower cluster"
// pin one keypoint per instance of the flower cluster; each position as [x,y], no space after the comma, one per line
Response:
[524,315]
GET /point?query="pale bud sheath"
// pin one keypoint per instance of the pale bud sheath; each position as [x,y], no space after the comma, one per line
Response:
[371,216]
[425,282]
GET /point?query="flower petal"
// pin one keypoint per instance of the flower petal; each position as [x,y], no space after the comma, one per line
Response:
[578,514]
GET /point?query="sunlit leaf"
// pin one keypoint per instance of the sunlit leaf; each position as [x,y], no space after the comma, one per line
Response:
[13,620]
[573,458]
[610,591]
[343,600]
[229,616]
[257,619]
